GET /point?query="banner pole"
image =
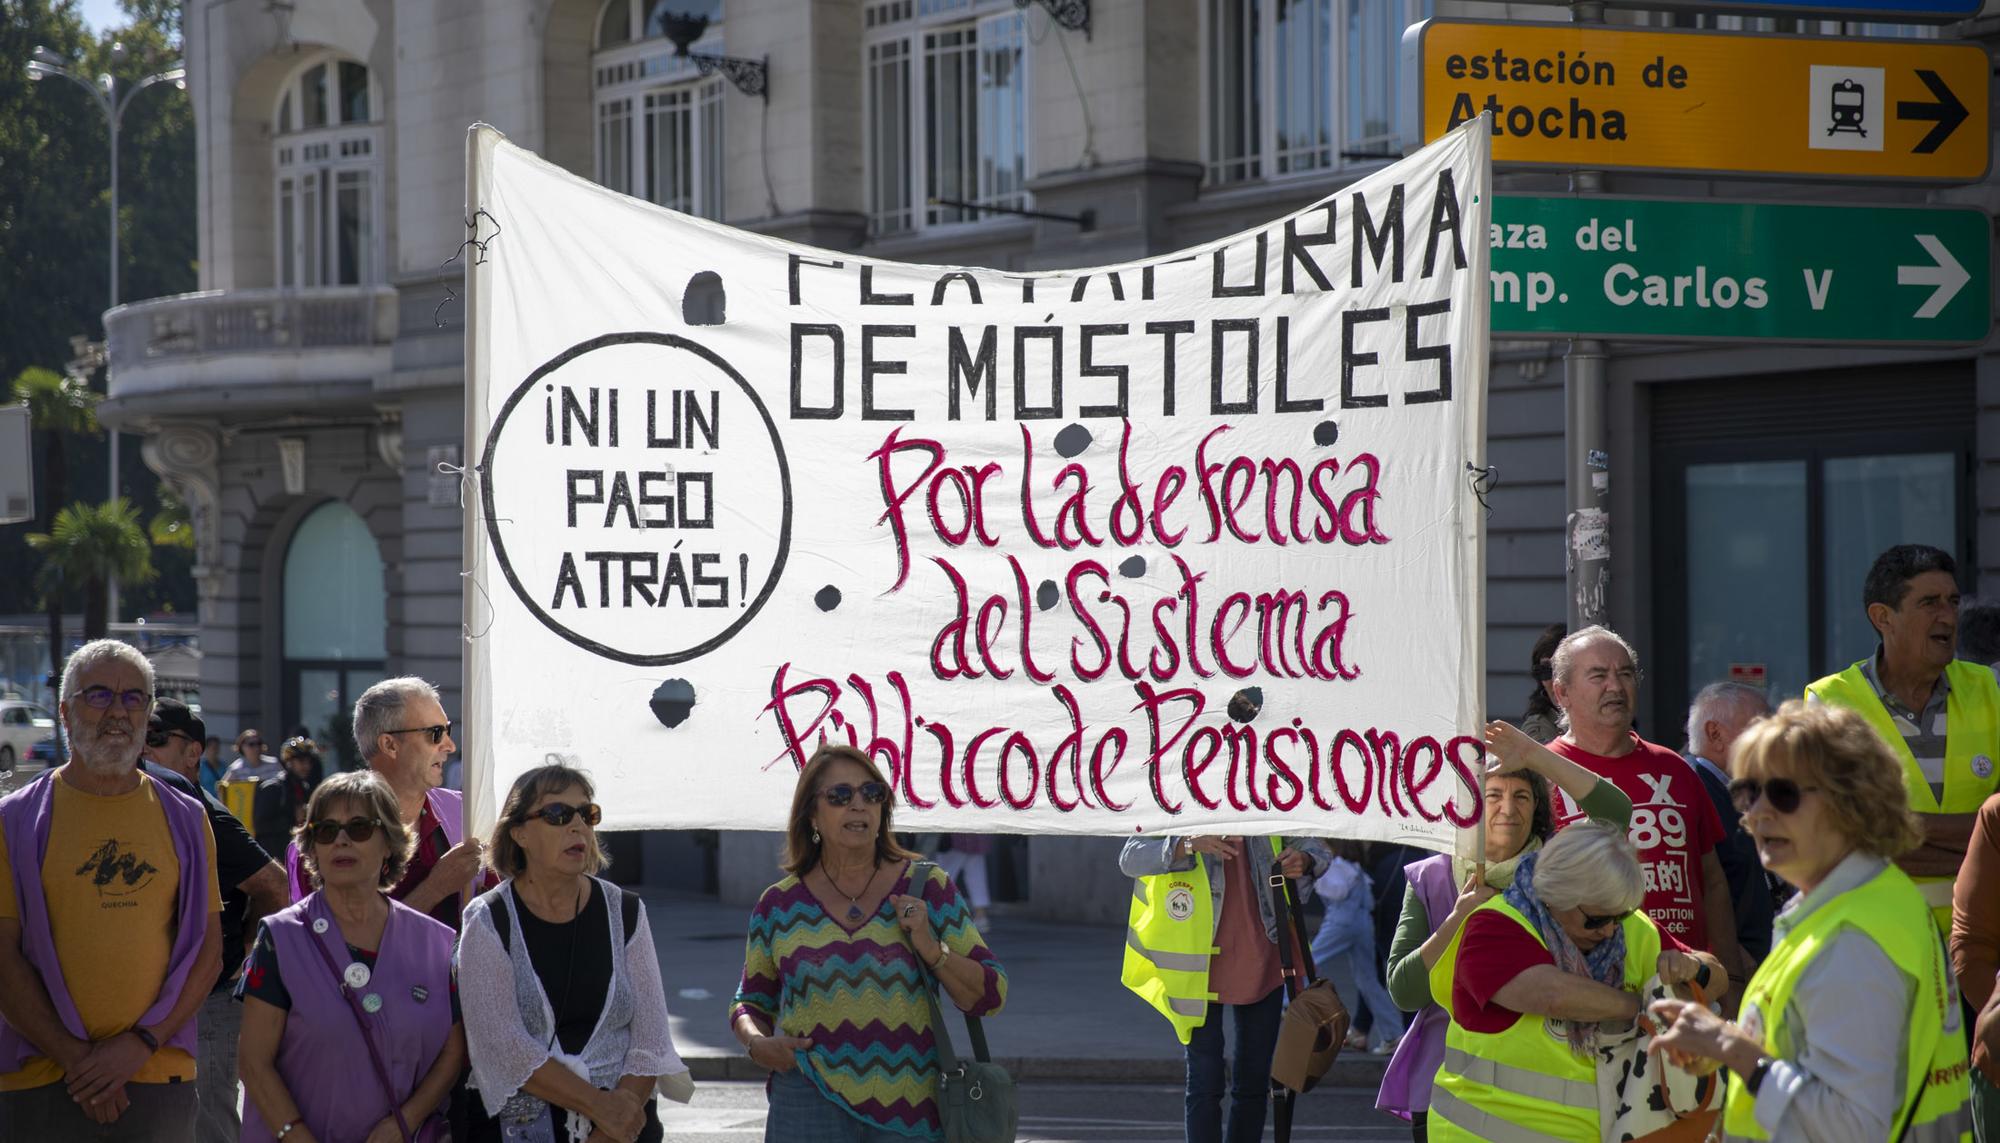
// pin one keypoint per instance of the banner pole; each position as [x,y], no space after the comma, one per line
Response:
[478,768]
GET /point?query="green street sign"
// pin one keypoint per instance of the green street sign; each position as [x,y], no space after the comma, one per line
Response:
[1605,266]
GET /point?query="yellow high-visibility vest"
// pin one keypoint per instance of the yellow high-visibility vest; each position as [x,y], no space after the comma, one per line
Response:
[1885,909]
[1169,938]
[1971,751]
[1523,1085]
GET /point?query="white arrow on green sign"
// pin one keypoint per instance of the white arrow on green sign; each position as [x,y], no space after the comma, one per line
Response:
[1702,270]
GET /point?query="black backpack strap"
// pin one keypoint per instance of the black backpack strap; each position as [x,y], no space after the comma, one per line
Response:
[628,907]
[503,924]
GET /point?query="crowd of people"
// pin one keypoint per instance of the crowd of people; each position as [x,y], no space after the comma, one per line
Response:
[1765,934]
[1751,912]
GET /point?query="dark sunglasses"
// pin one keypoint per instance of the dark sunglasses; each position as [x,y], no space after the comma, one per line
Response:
[557,814]
[1782,793]
[158,738]
[1594,921]
[100,697]
[358,830]
[437,732]
[874,793]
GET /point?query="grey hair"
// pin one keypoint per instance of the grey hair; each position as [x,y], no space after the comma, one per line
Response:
[99,651]
[1738,698]
[381,706]
[1565,658]
[1589,864]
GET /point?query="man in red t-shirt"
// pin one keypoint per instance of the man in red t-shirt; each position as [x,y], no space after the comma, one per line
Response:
[1674,825]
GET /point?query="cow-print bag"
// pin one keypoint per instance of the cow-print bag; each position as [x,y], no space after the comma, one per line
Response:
[1643,1097]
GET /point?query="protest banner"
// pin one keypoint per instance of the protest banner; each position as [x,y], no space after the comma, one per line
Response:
[1189,543]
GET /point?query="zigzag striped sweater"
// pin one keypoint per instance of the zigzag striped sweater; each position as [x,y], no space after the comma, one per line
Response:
[860,997]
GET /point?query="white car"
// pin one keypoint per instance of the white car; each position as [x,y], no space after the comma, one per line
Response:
[23,725]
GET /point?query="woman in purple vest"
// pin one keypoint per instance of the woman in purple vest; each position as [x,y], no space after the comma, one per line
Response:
[566,1015]
[350,1021]
[1444,889]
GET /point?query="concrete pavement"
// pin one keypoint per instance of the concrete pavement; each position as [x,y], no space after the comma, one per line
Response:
[1067,1017]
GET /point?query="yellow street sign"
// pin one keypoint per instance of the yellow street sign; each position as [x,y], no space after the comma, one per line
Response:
[1593,96]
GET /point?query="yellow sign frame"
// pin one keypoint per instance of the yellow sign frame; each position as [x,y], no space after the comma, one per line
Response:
[1698,102]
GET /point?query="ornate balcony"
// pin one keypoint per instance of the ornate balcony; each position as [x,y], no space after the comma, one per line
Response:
[247,350]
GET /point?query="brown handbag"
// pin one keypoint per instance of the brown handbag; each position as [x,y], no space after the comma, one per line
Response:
[1314,1028]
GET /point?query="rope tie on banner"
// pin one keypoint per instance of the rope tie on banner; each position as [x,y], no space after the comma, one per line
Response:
[477,243]
[468,480]
[1482,481]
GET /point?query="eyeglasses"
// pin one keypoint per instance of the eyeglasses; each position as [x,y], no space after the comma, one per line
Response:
[1595,921]
[557,814]
[874,793]
[253,742]
[358,830]
[100,697]
[1781,793]
[158,738]
[437,732]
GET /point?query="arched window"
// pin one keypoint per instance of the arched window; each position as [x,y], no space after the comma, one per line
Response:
[327,152]
[659,122]
[336,608]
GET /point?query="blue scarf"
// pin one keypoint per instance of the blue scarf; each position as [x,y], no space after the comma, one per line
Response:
[1604,964]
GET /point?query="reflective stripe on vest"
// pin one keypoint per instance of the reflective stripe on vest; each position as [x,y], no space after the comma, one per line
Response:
[1169,938]
[1525,1082]
[1972,743]
[1884,909]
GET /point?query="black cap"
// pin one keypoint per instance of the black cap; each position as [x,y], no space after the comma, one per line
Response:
[173,714]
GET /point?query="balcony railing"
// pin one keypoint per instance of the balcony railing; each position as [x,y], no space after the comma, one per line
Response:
[249,322]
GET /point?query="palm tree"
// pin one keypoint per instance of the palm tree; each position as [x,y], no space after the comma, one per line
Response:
[59,405]
[89,544]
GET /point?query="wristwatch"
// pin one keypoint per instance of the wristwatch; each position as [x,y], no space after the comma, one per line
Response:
[1756,1077]
[151,1041]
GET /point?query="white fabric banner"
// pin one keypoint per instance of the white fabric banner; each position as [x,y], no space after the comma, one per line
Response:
[1185,544]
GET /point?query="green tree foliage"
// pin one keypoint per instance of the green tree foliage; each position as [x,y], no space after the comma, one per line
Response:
[89,544]
[54,234]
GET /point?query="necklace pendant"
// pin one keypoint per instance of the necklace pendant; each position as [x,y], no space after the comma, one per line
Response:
[854,912]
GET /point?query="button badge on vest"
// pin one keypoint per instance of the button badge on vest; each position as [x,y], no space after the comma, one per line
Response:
[419,993]
[357,975]
[371,1003]
[319,926]
[1982,766]
[1180,902]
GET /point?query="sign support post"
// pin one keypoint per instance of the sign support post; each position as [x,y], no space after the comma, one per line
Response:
[1587,467]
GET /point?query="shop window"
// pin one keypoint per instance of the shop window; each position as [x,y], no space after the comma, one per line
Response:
[335,625]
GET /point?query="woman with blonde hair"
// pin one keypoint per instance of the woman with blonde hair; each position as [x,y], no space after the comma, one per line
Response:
[1533,974]
[838,967]
[350,1022]
[1851,1028]
[566,1015]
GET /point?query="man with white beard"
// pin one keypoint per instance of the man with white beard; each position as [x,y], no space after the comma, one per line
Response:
[110,931]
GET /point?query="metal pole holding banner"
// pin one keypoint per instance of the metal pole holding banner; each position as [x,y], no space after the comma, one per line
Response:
[477,774]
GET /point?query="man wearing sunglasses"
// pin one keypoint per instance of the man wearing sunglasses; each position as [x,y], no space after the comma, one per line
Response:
[254,886]
[110,935]
[1674,825]
[1940,716]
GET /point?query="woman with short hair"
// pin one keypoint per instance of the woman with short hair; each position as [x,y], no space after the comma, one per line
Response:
[839,962]
[1851,1028]
[1532,975]
[350,1022]
[566,1015]
[1443,890]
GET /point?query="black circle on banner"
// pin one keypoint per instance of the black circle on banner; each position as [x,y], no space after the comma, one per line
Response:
[487,467]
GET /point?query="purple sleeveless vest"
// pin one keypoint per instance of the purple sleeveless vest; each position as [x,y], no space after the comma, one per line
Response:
[322,1058]
[27,816]
[447,806]
[1406,1085]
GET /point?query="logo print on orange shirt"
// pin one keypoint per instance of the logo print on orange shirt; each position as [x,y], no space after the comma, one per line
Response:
[116,873]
